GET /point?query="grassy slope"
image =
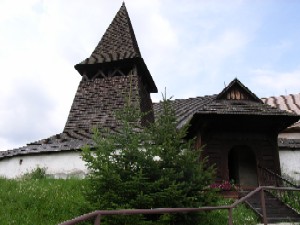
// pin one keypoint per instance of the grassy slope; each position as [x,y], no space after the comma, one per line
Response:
[36,202]
[49,202]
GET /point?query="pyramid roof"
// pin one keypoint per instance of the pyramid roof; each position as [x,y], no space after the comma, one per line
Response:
[117,43]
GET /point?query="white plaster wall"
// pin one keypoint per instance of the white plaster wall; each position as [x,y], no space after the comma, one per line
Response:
[290,164]
[289,135]
[59,165]
[68,164]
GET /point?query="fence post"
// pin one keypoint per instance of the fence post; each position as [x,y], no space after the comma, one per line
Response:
[230,222]
[97,220]
[263,206]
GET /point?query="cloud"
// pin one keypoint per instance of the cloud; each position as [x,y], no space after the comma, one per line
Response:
[210,39]
[12,9]
[23,110]
[277,82]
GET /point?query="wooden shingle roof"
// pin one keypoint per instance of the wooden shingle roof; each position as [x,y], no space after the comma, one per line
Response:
[76,136]
[96,102]
[117,43]
[57,143]
[235,99]
[117,50]
[242,107]
[185,109]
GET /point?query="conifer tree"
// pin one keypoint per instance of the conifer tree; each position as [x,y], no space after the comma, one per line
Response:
[147,167]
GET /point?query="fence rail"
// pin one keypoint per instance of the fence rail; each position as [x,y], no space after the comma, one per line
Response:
[273,178]
[96,215]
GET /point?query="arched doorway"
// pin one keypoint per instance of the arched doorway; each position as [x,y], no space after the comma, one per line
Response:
[242,166]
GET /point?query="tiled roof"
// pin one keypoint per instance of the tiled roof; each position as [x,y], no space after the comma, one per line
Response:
[117,43]
[289,103]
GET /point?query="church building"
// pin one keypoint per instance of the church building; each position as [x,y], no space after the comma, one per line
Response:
[237,130]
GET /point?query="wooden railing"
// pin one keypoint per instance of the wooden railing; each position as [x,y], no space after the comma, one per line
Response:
[96,215]
[291,198]
[272,178]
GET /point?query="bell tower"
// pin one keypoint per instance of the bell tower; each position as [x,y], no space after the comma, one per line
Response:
[114,69]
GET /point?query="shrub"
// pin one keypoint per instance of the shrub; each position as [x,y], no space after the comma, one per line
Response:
[36,174]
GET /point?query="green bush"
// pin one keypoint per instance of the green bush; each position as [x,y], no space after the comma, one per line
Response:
[36,174]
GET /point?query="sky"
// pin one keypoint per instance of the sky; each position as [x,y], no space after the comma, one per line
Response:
[191,47]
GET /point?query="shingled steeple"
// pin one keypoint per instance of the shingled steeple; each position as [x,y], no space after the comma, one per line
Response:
[117,43]
[118,46]
[114,69]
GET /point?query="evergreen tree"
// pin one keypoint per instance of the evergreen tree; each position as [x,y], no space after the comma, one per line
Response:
[149,167]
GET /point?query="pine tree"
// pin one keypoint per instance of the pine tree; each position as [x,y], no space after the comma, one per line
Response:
[149,167]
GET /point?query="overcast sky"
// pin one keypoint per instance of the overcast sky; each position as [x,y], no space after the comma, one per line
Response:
[191,47]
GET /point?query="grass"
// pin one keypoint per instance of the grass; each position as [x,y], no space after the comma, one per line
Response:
[291,198]
[36,200]
[241,215]
[42,201]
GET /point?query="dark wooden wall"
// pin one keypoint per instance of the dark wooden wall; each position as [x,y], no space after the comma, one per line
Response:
[217,146]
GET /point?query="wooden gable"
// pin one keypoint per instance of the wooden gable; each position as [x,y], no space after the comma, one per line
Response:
[237,91]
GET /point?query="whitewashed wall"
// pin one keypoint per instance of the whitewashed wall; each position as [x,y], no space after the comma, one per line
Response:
[289,135]
[68,164]
[59,165]
[290,163]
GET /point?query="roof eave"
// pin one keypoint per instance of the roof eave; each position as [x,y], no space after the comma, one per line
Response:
[145,73]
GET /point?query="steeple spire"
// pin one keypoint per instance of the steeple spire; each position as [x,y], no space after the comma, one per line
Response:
[114,69]
[117,43]
[117,50]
